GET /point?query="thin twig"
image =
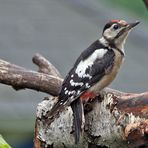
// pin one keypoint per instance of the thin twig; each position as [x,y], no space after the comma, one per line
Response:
[45,66]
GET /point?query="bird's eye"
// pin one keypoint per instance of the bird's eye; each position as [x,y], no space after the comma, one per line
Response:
[115,27]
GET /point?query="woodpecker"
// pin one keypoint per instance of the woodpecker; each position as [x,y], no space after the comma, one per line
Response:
[94,69]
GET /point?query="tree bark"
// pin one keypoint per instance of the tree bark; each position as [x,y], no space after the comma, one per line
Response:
[146,3]
[114,119]
[21,78]
[111,120]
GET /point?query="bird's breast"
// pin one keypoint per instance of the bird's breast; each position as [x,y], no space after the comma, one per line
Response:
[110,74]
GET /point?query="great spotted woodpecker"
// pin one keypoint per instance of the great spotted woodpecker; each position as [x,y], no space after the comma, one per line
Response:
[95,69]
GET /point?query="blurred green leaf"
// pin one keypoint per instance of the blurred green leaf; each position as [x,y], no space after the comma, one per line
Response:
[3,143]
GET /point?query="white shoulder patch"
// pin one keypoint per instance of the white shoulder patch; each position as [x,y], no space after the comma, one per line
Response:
[101,52]
[83,65]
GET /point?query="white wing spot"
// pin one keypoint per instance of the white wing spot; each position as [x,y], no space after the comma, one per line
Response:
[75,83]
[66,92]
[83,65]
[87,85]
[87,76]
[72,97]
[71,92]
[72,76]
[78,92]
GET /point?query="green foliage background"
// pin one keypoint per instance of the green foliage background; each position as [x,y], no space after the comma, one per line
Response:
[135,7]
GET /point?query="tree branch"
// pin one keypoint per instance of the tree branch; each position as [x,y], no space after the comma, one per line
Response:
[21,78]
[47,80]
[146,3]
[45,66]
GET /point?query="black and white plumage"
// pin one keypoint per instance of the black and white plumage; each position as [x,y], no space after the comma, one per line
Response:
[95,68]
[89,68]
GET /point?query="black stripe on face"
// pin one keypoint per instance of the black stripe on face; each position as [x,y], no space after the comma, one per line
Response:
[108,25]
[120,33]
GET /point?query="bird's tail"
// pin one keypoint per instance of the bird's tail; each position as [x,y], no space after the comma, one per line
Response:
[78,115]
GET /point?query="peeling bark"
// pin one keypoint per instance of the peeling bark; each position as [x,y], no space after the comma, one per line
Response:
[114,119]
[107,124]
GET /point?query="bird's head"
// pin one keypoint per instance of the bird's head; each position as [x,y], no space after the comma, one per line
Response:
[115,32]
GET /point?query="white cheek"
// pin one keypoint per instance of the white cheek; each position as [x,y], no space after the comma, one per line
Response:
[110,34]
[121,41]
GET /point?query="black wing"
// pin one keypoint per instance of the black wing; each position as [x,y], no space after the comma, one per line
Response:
[96,72]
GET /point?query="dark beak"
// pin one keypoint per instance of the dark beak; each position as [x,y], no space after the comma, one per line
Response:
[126,29]
[132,25]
